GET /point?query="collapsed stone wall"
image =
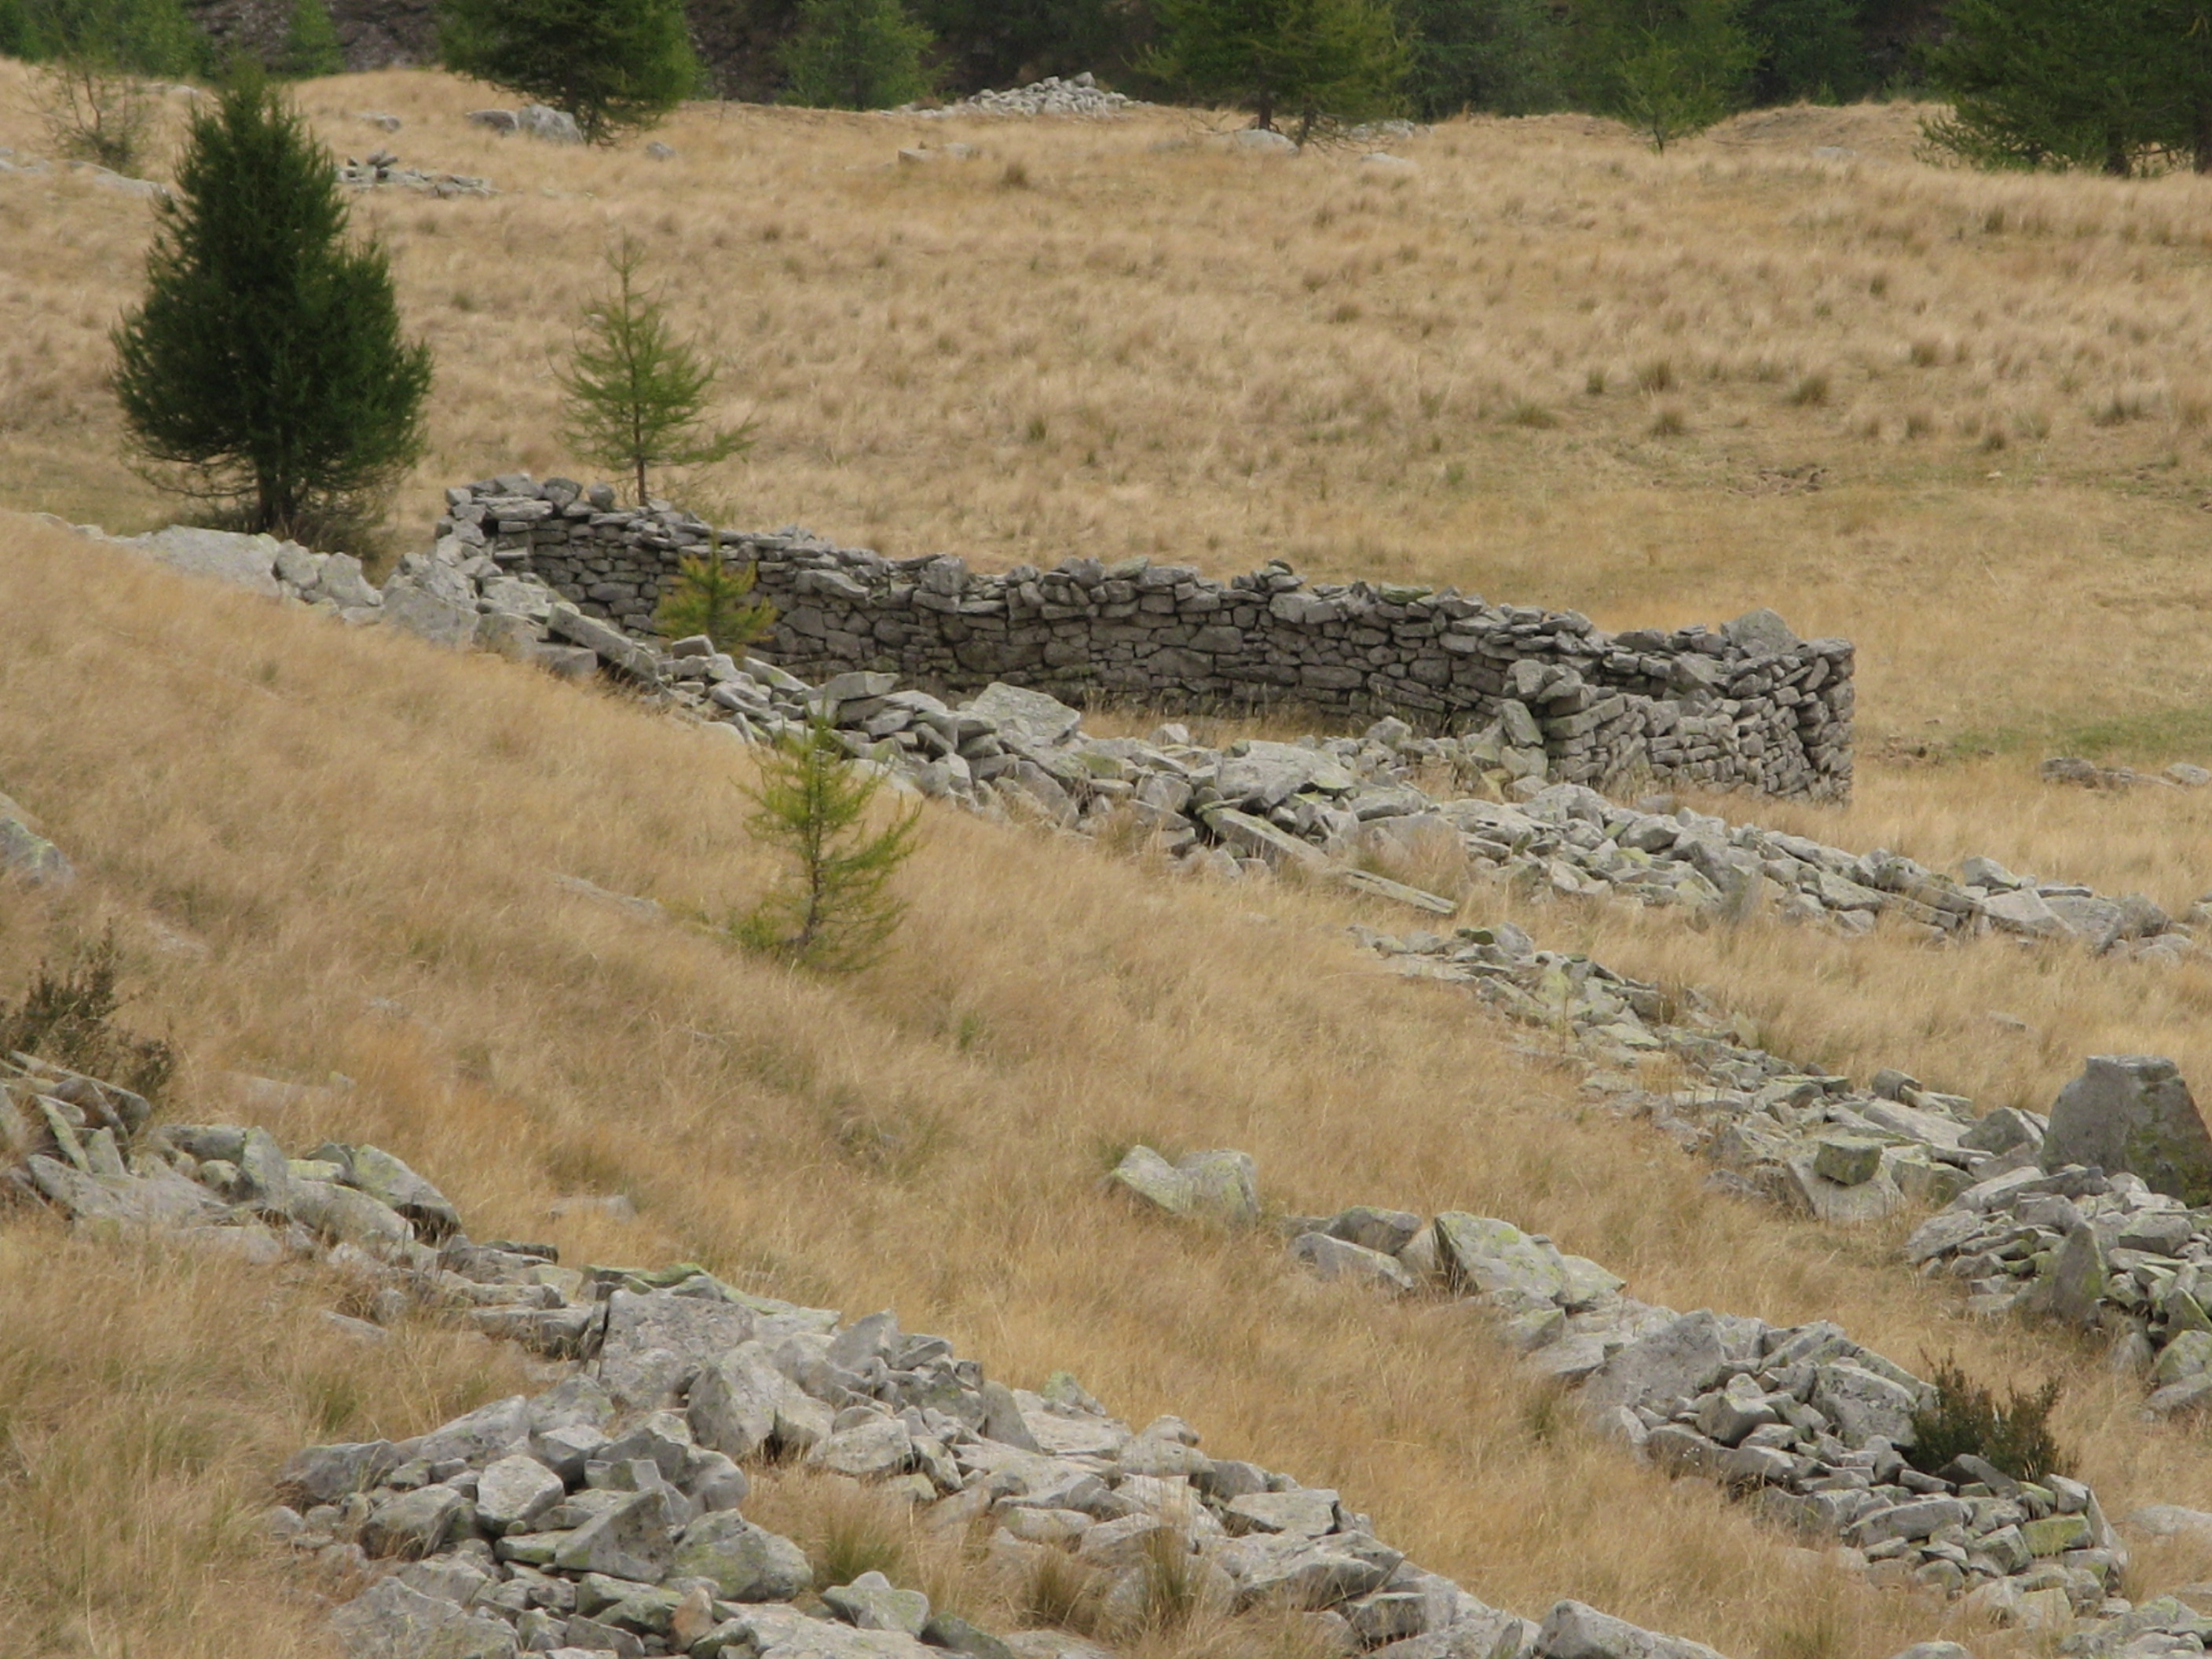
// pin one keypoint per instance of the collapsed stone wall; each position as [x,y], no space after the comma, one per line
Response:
[1748,705]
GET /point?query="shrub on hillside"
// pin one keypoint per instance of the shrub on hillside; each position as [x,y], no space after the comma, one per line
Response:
[612,65]
[1968,1419]
[97,57]
[265,369]
[67,1018]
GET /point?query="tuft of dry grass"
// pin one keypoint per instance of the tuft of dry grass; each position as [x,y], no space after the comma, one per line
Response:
[338,826]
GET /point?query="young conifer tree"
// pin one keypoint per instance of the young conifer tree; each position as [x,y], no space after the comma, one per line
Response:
[834,909]
[637,391]
[713,597]
[267,368]
[611,63]
[855,54]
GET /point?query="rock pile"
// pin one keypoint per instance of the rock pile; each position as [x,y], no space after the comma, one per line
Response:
[1800,1420]
[604,1516]
[381,168]
[2107,1224]
[1079,94]
[1748,705]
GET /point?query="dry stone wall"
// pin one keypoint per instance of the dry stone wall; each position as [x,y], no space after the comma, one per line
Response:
[1748,705]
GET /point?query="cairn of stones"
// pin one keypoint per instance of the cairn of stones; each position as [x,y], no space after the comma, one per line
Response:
[1747,706]
[1077,95]
[1808,1426]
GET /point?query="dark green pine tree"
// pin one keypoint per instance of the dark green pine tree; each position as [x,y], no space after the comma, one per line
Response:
[1813,50]
[1307,60]
[2178,40]
[855,54]
[2050,84]
[1502,57]
[267,368]
[612,65]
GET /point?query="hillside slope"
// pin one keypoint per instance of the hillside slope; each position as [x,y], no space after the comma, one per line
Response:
[333,852]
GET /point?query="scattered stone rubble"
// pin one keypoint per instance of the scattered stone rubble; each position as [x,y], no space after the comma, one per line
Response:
[1800,1420]
[2067,769]
[381,168]
[1079,94]
[604,1516]
[1748,705]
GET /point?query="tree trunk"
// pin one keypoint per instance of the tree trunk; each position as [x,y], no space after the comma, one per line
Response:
[2116,156]
[641,501]
[2200,134]
[1265,113]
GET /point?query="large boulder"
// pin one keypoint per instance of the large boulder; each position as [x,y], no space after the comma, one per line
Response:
[1029,718]
[247,562]
[1220,1187]
[2134,1113]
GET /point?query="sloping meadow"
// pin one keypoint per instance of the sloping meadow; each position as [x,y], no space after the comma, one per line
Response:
[329,851]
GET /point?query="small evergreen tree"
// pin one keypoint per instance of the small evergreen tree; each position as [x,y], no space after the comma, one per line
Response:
[713,597]
[266,368]
[612,65]
[637,391]
[834,909]
[855,54]
[1809,50]
[311,47]
[1668,68]
[1310,59]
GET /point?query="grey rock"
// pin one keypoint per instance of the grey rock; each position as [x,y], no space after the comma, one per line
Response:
[515,1491]
[870,1602]
[413,607]
[1387,1231]
[326,1474]
[1761,630]
[391,1621]
[388,1180]
[1218,1187]
[1029,717]
[746,1562]
[630,1540]
[247,562]
[1675,1363]
[657,1342]
[1334,1258]
[1574,1630]
[28,856]
[2134,1113]
[413,1524]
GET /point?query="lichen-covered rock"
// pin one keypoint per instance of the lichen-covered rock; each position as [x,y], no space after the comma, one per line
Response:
[746,1562]
[390,1620]
[2134,1112]
[1219,1187]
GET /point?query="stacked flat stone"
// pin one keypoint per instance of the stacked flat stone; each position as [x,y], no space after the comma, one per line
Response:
[381,171]
[1749,705]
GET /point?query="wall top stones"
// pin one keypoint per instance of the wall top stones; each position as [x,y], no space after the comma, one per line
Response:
[1745,704]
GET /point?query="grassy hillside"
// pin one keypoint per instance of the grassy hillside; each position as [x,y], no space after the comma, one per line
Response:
[1100,338]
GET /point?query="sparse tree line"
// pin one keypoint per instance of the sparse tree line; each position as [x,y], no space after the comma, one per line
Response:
[2118,85]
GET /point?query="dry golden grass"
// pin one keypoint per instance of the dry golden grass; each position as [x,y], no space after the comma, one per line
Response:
[1454,376]
[338,817]
[2004,383]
